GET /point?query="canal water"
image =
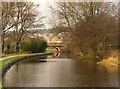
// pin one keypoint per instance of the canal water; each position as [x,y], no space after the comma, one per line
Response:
[59,72]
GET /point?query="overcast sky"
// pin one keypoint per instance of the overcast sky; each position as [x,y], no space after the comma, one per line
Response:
[44,9]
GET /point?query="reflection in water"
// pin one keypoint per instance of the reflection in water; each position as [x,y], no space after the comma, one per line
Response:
[59,73]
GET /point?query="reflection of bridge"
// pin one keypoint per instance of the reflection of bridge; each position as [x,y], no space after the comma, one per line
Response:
[56,45]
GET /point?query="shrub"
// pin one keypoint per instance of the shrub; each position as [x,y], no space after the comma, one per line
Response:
[42,45]
[25,46]
[34,46]
[9,49]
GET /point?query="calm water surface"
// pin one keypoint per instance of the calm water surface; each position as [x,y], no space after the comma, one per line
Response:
[59,72]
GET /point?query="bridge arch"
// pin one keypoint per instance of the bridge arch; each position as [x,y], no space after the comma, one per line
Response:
[57,49]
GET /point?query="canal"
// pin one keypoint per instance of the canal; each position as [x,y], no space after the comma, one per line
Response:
[59,72]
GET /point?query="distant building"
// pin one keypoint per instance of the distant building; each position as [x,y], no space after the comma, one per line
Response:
[55,39]
[47,35]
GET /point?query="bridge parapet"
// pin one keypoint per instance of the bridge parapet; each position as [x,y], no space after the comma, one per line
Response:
[55,44]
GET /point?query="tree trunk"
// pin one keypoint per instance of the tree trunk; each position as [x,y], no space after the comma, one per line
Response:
[3,43]
[17,47]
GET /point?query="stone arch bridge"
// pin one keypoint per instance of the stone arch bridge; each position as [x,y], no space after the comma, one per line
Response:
[56,46]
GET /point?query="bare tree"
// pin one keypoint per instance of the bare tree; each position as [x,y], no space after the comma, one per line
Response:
[19,17]
[91,24]
[7,15]
[27,16]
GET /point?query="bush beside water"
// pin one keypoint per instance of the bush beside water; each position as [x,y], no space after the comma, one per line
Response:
[34,46]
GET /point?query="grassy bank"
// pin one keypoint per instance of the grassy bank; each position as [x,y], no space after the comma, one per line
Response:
[0,85]
[6,61]
[14,57]
[111,63]
[6,55]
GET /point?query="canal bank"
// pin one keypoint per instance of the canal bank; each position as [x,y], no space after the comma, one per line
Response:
[59,72]
[7,62]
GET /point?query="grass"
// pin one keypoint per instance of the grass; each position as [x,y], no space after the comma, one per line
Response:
[0,85]
[6,61]
[111,63]
[6,55]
